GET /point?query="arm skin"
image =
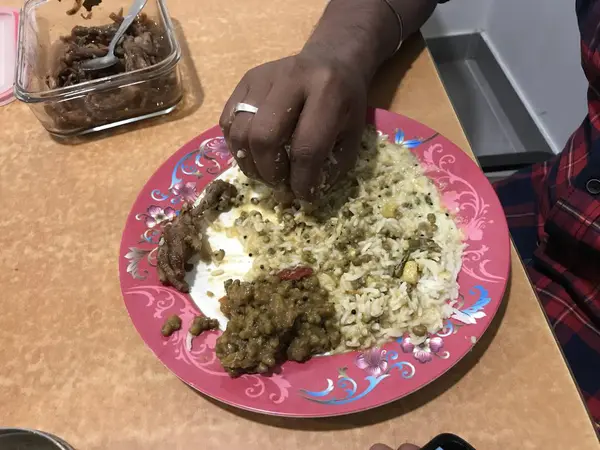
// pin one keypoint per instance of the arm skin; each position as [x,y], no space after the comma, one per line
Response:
[367,31]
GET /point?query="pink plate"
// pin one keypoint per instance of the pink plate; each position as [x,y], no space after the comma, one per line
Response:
[330,385]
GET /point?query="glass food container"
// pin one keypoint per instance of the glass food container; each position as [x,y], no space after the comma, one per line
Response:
[147,89]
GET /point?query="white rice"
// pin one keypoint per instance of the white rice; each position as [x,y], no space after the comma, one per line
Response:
[373,300]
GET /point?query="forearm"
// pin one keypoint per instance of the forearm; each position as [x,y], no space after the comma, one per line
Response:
[364,33]
[414,13]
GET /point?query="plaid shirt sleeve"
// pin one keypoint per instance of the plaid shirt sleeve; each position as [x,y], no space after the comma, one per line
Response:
[553,211]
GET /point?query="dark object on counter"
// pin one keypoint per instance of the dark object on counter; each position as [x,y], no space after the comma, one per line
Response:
[143,46]
[171,325]
[448,441]
[272,320]
[89,4]
[182,238]
[202,324]
[75,8]
[27,439]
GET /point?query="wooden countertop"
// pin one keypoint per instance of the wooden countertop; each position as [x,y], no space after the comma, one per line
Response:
[72,364]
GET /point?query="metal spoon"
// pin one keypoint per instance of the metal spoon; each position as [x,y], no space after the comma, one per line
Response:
[110,59]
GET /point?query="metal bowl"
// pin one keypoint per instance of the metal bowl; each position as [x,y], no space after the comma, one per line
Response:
[25,439]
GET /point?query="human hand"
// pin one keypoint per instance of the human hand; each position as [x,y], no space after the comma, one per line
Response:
[315,103]
[402,447]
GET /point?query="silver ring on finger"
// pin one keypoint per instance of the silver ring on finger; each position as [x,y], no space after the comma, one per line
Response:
[244,107]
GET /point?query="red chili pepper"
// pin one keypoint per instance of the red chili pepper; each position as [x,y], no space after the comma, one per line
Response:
[295,273]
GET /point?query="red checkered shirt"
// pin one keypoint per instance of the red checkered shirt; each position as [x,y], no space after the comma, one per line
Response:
[553,211]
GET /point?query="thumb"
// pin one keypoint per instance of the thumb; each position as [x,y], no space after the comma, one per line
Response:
[380,447]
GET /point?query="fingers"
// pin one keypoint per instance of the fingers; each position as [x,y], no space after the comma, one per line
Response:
[237,96]
[316,132]
[272,128]
[283,195]
[317,108]
[380,447]
[345,152]
[253,90]
[238,138]
[402,447]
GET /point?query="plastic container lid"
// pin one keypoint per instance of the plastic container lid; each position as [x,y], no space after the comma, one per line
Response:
[9,19]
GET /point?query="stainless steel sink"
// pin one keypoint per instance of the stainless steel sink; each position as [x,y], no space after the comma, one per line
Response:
[500,130]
